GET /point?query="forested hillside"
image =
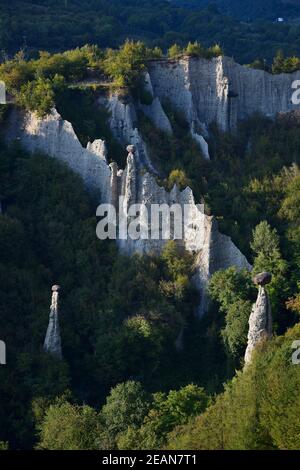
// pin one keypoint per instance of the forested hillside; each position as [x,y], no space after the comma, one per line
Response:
[122,382]
[255,410]
[112,329]
[250,9]
[139,369]
[59,25]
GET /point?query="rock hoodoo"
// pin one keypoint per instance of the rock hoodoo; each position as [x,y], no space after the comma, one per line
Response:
[52,343]
[262,279]
[260,321]
[136,184]
[204,91]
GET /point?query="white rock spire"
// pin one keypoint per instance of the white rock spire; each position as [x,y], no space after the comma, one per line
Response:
[52,342]
[260,321]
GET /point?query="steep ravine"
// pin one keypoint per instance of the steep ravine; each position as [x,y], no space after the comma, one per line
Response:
[55,137]
[205,91]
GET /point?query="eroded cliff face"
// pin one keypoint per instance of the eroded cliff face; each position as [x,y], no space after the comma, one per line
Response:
[205,91]
[217,252]
[123,123]
[260,323]
[220,90]
[56,137]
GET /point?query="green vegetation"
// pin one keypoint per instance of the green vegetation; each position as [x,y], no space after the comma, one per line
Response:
[130,419]
[37,95]
[233,290]
[194,50]
[258,410]
[72,65]
[112,329]
[69,427]
[177,157]
[283,64]
[179,178]
[197,50]
[127,65]
[120,337]
[251,170]
[55,26]
[166,412]
[40,84]
[250,9]
[89,120]
[254,170]
[126,407]
[124,381]
[266,248]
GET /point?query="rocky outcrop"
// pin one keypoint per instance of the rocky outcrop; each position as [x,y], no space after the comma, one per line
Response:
[200,232]
[220,90]
[156,114]
[135,185]
[155,111]
[217,252]
[204,91]
[123,123]
[260,321]
[201,142]
[56,138]
[52,344]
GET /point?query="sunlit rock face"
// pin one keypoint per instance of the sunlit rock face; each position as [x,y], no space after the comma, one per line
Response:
[204,91]
[52,344]
[123,123]
[220,90]
[260,321]
[135,185]
[55,137]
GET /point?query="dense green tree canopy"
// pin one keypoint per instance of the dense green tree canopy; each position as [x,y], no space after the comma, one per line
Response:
[107,23]
[70,427]
[121,317]
[258,410]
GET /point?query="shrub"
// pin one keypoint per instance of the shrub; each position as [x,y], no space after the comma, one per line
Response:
[179,178]
[38,96]
[175,51]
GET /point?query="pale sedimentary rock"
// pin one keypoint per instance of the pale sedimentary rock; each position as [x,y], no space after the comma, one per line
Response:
[52,344]
[220,90]
[200,232]
[204,91]
[201,142]
[217,252]
[156,114]
[56,137]
[135,185]
[123,123]
[155,111]
[260,321]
